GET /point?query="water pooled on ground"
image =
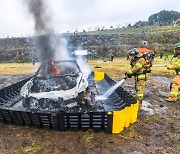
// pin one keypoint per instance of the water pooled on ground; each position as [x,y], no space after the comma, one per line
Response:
[147,107]
[163,80]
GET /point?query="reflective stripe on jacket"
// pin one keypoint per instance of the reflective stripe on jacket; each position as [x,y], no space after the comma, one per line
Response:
[138,68]
[141,77]
[175,66]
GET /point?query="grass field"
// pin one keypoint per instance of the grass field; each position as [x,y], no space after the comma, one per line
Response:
[115,69]
[17,68]
[119,66]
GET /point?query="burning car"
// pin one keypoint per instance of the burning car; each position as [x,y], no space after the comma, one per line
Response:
[55,84]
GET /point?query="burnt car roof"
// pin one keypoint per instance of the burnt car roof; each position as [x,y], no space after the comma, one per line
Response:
[58,62]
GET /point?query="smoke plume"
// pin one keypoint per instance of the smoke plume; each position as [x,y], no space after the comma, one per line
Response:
[49,45]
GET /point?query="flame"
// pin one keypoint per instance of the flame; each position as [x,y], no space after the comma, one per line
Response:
[53,68]
[85,94]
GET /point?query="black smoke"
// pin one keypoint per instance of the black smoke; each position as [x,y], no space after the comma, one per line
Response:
[42,26]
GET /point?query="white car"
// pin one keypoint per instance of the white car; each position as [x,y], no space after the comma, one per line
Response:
[56,83]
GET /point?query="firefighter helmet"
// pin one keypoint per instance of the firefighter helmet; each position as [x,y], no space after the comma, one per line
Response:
[177,49]
[133,52]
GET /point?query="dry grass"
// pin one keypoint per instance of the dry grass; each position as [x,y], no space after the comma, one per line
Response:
[159,67]
[17,68]
[119,66]
[115,69]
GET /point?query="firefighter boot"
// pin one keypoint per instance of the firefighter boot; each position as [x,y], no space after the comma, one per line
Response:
[140,104]
[172,98]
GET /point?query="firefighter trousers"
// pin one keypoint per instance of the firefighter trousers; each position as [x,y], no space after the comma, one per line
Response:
[175,87]
[140,87]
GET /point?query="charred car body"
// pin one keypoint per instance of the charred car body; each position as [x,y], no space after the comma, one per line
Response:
[63,99]
[56,85]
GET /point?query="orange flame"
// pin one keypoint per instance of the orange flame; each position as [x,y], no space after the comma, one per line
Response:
[53,68]
[85,94]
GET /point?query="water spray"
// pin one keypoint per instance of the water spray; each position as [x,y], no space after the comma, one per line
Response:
[111,90]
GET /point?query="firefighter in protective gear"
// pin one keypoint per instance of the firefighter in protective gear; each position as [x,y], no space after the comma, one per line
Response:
[175,84]
[138,70]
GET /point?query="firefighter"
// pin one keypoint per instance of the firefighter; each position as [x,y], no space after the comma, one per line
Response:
[138,70]
[175,84]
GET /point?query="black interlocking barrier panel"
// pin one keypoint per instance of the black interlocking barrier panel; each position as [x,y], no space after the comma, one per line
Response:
[61,121]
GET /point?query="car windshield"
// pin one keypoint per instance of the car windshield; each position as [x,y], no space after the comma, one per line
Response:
[58,68]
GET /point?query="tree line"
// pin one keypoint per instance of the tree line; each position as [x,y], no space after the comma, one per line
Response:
[163,17]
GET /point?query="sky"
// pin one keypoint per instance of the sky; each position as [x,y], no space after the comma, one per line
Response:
[71,15]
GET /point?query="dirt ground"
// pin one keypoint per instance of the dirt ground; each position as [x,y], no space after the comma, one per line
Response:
[156,131]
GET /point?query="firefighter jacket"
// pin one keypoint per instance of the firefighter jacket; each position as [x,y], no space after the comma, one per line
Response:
[175,66]
[138,68]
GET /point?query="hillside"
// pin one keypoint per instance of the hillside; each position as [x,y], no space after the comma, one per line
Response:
[131,29]
[102,42]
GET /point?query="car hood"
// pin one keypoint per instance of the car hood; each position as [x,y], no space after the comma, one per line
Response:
[81,85]
[54,95]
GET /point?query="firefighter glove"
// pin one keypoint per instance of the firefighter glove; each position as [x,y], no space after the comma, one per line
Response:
[128,75]
[168,67]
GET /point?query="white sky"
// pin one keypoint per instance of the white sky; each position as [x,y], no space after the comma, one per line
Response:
[71,15]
